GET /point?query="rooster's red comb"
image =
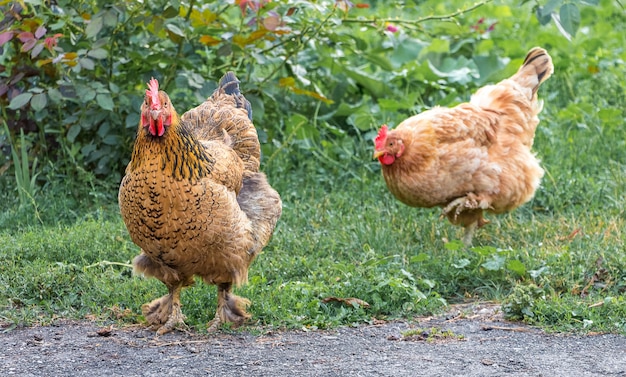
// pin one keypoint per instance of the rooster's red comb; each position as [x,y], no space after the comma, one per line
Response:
[379,142]
[153,91]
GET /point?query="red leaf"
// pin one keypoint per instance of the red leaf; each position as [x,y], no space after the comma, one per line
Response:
[3,89]
[26,36]
[28,45]
[16,78]
[5,37]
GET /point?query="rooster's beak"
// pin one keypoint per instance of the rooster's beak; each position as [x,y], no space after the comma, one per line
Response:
[377,154]
[155,114]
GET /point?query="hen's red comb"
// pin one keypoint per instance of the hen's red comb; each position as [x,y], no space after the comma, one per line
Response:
[153,91]
[379,142]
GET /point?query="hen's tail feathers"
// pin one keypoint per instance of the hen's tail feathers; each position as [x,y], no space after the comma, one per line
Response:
[222,117]
[537,68]
[262,204]
[229,84]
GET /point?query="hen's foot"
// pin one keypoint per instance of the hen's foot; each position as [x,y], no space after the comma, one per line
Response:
[230,308]
[158,311]
[175,318]
[164,314]
[215,323]
[467,202]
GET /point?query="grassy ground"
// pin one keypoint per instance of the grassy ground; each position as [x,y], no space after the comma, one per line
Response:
[560,268]
[558,262]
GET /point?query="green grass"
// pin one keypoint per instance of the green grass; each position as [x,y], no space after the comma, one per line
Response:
[348,239]
[558,262]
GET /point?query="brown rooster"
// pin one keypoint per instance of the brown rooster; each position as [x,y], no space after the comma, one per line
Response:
[194,201]
[472,157]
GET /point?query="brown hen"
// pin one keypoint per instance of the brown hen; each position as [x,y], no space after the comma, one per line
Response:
[474,157]
[194,201]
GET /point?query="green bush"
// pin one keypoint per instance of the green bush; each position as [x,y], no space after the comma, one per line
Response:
[75,70]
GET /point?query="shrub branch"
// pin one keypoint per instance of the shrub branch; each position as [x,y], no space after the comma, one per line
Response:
[443,17]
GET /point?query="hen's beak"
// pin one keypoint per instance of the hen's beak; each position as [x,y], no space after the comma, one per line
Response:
[155,114]
[377,154]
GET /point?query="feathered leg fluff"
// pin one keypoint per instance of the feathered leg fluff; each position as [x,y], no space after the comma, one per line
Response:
[164,313]
[230,308]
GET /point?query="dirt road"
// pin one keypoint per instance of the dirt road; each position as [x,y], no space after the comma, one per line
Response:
[476,345]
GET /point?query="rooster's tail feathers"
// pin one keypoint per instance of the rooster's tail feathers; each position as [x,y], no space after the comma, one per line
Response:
[229,84]
[537,68]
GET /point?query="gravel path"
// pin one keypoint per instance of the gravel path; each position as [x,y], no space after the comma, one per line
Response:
[478,344]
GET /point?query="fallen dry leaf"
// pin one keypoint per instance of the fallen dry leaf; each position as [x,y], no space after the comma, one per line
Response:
[350,301]
[106,331]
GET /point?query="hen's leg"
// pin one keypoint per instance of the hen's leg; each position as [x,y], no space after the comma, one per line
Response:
[468,234]
[230,308]
[467,211]
[165,313]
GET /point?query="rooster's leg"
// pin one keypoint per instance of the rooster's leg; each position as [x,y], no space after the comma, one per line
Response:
[230,308]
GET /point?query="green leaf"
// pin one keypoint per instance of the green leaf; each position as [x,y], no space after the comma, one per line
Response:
[408,50]
[461,263]
[550,6]
[98,53]
[421,257]
[110,18]
[94,27]
[454,245]
[19,101]
[85,93]
[111,140]
[73,132]
[517,267]
[132,120]
[374,86]
[105,101]
[380,60]
[484,250]
[55,95]
[495,263]
[39,101]
[488,66]
[543,20]
[87,63]
[570,18]
[170,12]
[439,46]
[175,29]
